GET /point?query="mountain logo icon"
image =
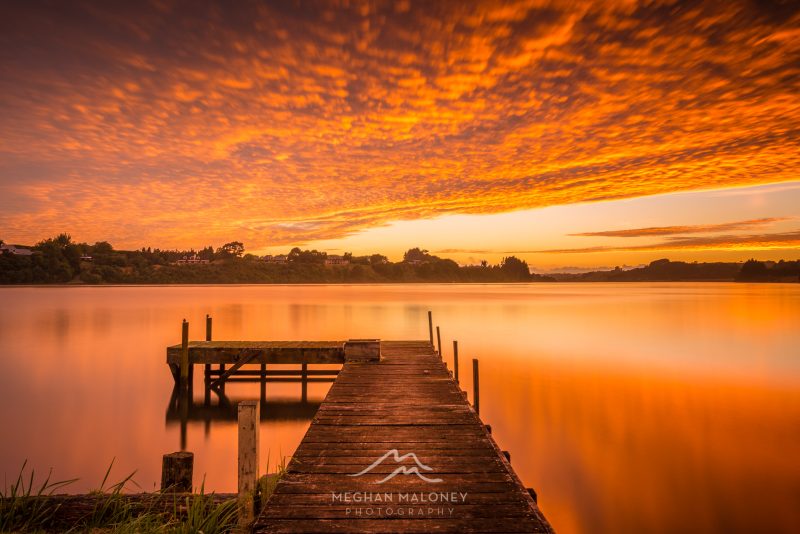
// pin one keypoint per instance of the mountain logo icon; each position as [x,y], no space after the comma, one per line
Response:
[401,470]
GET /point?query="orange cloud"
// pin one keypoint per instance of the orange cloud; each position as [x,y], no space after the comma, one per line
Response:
[275,124]
[782,240]
[685,229]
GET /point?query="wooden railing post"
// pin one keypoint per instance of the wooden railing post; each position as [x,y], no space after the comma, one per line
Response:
[476,390]
[439,341]
[455,358]
[304,380]
[176,472]
[185,355]
[263,383]
[249,419]
[430,326]
[207,367]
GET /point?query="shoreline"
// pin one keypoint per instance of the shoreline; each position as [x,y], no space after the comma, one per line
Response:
[310,284]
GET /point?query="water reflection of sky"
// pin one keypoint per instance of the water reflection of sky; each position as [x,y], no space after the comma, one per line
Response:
[619,403]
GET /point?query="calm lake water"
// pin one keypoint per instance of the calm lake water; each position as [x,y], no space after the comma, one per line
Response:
[629,407]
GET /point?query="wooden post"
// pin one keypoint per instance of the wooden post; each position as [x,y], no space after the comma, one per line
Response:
[249,420]
[176,472]
[208,338]
[439,341]
[476,390]
[430,326]
[304,379]
[185,355]
[455,358]
[263,382]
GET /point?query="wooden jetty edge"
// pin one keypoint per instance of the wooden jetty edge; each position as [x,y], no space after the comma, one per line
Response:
[403,414]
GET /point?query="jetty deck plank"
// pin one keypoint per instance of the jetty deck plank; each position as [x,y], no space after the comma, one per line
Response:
[260,352]
[408,402]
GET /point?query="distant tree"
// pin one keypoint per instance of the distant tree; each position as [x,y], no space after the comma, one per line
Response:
[751,269]
[296,255]
[417,255]
[206,253]
[63,240]
[378,259]
[234,249]
[102,247]
[484,264]
[516,269]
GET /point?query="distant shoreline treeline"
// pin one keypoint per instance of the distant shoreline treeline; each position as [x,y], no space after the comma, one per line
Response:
[61,261]
[665,270]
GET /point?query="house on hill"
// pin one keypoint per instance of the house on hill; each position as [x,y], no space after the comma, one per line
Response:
[15,250]
[280,258]
[334,259]
[194,259]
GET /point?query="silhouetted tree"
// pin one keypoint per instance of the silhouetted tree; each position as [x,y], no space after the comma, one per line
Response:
[752,269]
[515,269]
[417,255]
[234,249]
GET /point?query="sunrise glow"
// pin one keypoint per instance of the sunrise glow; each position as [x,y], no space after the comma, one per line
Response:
[290,123]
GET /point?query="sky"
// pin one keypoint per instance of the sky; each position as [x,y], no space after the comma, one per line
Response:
[571,134]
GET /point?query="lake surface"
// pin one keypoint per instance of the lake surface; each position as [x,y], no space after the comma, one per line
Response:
[629,407]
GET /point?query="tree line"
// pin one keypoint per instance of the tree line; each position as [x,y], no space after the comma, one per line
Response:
[664,270]
[60,260]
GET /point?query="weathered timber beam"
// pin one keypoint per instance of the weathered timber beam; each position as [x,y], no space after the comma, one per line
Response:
[230,371]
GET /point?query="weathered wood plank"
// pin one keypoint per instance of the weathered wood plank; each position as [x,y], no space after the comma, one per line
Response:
[261,352]
[409,402]
[421,526]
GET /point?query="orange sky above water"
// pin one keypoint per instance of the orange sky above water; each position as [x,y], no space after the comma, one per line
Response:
[472,129]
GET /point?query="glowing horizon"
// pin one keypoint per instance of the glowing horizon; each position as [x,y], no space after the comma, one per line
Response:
[382,124]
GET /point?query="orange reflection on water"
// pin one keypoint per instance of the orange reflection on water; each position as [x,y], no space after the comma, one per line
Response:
[617,451]
[629,407]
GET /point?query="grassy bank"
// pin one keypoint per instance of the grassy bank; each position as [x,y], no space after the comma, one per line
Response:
[31,506]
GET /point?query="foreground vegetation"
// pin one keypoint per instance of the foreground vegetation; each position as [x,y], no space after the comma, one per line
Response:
[58,261]
[28,506]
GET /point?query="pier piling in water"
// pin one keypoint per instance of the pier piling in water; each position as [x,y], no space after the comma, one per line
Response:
[207,366]
[439,341]
[455,359]
[304,382]
[476,389]
[430,326]
[185,354]
[176,472]
[249,419]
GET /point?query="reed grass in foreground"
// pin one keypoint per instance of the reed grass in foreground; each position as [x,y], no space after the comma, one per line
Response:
[26,506]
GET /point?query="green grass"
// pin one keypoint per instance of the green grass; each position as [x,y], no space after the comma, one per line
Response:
[27,507]
[24,506]
[267,483]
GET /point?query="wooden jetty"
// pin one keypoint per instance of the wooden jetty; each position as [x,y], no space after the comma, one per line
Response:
[406,402]
[394,447]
